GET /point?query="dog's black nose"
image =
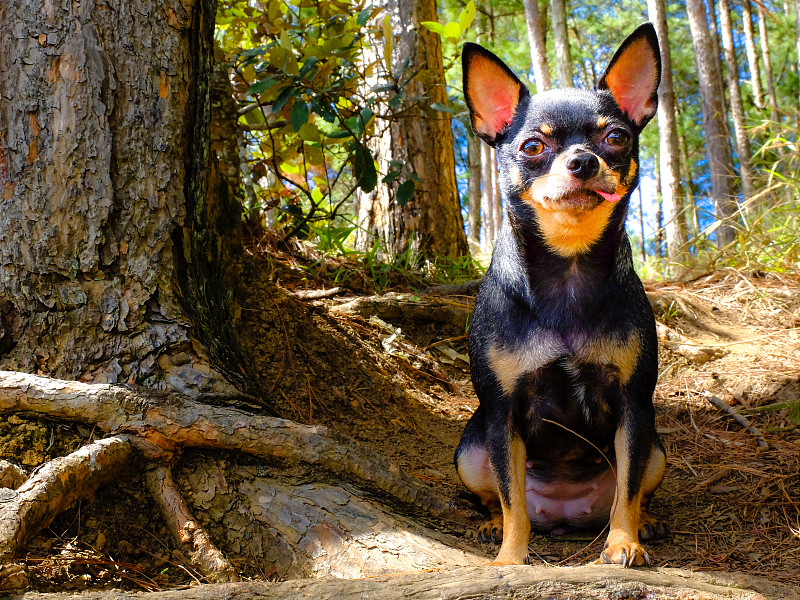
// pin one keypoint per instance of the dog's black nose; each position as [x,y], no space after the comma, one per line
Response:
[584,165]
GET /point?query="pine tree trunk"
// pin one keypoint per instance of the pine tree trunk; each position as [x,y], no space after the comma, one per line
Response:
[487,197]
[563,59]
[536,42]
[430,224]
[718,148]
[765,57]
[102,181]
[474,158]
[669,156]
[735,96]
[752,55]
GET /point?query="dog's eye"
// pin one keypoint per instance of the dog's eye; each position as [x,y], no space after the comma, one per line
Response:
[532,147]
[618,138]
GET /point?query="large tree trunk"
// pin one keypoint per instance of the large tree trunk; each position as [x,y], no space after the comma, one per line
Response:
[563,59]
[718,147]
[536,43]
[669,156]
[101,180]
[752,55]
[430,224]
[735,98]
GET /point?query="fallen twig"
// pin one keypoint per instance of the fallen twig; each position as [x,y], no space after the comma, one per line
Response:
[743,421]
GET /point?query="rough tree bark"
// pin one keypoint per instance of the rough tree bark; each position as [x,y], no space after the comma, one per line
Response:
[716,131]
[508,583]
[563,60]
[669,156]
[430,224]
[752,55]
[735,99]
[536,43]
[101,216]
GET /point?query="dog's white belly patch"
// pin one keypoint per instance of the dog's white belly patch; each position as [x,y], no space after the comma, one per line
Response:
[582,503]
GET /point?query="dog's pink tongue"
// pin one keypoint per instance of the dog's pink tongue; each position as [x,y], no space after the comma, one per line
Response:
[610,197]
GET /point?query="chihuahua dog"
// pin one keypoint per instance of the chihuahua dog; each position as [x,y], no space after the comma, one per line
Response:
[563,341]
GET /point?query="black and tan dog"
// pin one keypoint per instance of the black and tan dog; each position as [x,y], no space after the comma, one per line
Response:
[562,341]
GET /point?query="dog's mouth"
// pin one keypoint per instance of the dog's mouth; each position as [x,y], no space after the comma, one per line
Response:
[581,199]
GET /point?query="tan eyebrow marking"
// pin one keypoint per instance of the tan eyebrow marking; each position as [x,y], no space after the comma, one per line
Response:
[602,122]
[545,129]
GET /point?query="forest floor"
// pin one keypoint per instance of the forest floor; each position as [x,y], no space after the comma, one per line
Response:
[389,370]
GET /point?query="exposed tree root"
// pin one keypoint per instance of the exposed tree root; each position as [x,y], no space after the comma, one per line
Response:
[11,476]
[169,421]
[188,533]
[601,582]
[55,487]
[680,344]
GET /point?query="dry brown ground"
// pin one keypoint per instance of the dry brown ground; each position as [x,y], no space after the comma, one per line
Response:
[731,505]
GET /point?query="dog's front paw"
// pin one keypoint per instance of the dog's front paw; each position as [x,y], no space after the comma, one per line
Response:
[626,553]
[491,531]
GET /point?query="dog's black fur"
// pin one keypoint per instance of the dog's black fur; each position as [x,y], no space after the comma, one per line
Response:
[562,342]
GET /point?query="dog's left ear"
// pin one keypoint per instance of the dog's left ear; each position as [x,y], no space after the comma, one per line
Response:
[634,73]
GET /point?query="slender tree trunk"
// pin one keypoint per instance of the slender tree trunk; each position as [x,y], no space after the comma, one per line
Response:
[536,42]
[716,131]
[430,224]
[691,212]
[487,197]
[752,55]
[659,217]
[563,59]
[765,57]
[105,175]
[669,156]
[797,44]
[735,95]
[474,160]
[497,205]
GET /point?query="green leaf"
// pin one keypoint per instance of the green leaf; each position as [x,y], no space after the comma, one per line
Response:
[442,107]
[405,192]
[391,176]
[364,168]
[309,64]
[261,86]
[363,17]
[317,195]
[281,100]
[466,17]
[341,134]
[309,132]
[452,31]
[433,26]
[298,115]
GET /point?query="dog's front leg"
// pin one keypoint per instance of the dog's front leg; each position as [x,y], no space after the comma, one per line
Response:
[507,455]
[640,469]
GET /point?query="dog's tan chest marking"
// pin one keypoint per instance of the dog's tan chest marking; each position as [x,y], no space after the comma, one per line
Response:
[508,365]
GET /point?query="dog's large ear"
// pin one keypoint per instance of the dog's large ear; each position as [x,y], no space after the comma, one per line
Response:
[491,90]
[634,73]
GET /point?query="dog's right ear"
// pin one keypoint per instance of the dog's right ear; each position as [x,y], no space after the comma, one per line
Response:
[491,90]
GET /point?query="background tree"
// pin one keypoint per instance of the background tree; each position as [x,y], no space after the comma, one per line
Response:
[429,223]
[735,99]
[669,156]
[558,11]
[717,139]
[536,42]
[752,55]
